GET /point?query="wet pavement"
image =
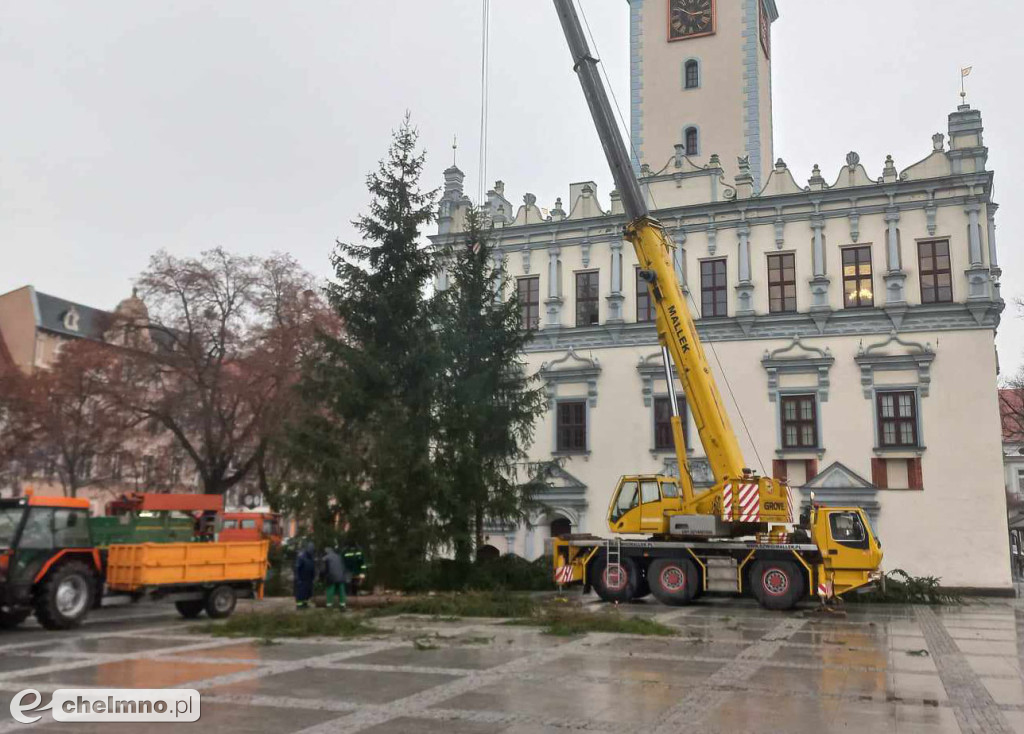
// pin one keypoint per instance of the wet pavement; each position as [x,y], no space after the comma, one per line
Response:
[732,668]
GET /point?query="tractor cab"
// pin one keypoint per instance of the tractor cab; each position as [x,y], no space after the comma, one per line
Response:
[45,537]
[640,503]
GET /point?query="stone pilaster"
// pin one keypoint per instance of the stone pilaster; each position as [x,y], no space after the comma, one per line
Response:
[978,276]
[745,288]
[820,307]
[993,259]
[895,277]
[615,298]
[554,299]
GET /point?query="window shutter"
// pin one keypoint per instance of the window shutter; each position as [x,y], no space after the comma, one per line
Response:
[811,468]
[779,469]
[879,475]
[915,480]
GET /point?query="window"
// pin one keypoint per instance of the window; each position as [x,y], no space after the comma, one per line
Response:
[586,298]
[897,418]
[857,287]
[629,497]
[248,524]
[782,283]
[644,305]
[572,425]
[528,290]
[669,490]
[690,138]
[663,424]
[847,528]
[38,531]
[936,275]
[560,526]
[649,491]
[230,525]
[713,293]
[799,422]
[71,529]
[691,74]
[1020,481]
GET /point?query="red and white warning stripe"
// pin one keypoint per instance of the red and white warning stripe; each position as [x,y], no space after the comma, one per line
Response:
[750,502]
[825,589]
[727,501]
[563,574]
[789,502]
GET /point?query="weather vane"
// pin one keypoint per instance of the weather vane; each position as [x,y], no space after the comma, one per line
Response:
[965,71]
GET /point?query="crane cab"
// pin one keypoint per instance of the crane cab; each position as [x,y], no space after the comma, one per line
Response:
[642,503]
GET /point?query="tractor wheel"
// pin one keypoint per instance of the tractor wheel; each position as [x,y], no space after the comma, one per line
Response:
[65,596]
[190,609]
[673,581]
[615,584]
[776,584]
[10,620]
[220,602]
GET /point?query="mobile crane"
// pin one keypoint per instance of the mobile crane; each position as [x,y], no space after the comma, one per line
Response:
[733,536]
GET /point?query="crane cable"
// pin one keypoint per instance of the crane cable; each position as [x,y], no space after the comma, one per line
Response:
[654,207]
[484,73]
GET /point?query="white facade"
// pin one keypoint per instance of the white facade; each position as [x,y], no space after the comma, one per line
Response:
[928,470]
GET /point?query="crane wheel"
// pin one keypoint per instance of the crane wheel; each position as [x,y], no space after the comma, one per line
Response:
[615,584]
[776,584]
[673,581]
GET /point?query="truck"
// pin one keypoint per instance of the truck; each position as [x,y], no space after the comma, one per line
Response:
[740,535]
[252,525]
[52,566]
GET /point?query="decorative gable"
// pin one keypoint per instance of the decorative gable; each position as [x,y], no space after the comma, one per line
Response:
[797,358]
[879,357]
[561,492]
[571,368]
[839,486]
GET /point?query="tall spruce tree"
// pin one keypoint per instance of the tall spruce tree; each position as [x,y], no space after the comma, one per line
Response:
[487,405]
[365,447]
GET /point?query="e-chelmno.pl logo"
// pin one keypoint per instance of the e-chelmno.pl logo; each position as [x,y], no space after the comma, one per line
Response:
[108,704]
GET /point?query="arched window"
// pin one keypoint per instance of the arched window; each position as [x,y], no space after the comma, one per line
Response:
[691,141]
[560,526]
[487,553]
[691,75]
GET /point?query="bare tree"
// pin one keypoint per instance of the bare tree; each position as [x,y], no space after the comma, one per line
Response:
[62,418]
[214,358]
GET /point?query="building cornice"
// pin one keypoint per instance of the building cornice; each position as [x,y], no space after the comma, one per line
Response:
[853,322]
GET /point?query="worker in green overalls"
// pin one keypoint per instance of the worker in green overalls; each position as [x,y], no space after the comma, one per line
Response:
[355,568]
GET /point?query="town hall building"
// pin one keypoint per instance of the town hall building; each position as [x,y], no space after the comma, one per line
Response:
[849,319]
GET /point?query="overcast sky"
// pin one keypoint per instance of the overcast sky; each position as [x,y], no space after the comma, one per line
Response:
[132,126]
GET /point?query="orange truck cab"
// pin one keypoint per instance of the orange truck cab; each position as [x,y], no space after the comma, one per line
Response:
[243,526]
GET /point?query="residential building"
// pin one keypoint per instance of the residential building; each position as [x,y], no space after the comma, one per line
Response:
[33,328]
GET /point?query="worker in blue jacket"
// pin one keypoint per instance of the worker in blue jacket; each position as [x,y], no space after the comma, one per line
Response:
[305,573]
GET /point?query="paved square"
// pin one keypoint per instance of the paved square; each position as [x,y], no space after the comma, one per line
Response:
[731,667]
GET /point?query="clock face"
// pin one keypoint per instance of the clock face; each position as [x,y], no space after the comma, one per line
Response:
[690,18]
[766,32]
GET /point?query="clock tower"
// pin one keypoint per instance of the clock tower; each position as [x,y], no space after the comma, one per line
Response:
[700,77]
